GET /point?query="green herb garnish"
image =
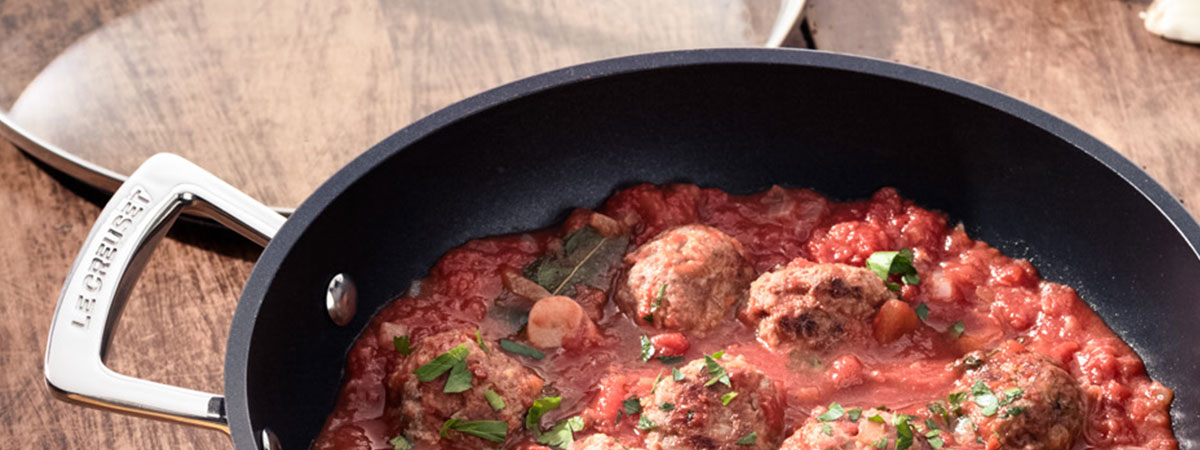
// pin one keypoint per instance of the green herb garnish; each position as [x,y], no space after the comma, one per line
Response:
[666,406]
[854,414]
[715,370]
[491,430]
[957,329]
[835,412]
[1011,395]
[479,340]
[443,362]
[645,424]
[662,292]
[728,397]
[401,344]
[494,399]
[898,263]
[521,349]
[750,438]
[828,430]
[459,380]
[676,374]
[922,311]
[562,434]
[904,431]
[647,349]
[631,406]
[984,398]
[400,443]
[540,407]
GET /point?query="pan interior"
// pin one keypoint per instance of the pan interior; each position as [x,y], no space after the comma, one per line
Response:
[725,121]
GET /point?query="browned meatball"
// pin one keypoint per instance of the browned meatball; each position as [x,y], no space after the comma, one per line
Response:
[599,442]
[812,305]
[845,434]
[685,279]
[1039,405]
[687,415]
[424,406]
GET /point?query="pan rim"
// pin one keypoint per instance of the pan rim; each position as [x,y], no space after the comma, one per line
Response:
[265,269]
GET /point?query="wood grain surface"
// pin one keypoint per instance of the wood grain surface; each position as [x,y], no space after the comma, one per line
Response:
[1086,60]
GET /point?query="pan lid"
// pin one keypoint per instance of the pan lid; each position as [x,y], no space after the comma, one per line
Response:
[277,97]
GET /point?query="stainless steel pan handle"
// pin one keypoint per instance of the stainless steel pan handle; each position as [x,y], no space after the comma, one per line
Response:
[116,249]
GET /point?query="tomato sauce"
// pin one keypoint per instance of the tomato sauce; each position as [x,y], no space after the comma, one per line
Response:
[997,299]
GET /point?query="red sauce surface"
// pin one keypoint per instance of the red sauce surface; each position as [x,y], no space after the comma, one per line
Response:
[998,299]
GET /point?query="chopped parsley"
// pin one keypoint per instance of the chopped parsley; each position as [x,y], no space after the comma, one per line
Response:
[939,410]
[400,443]
[881,443]
[904,431]
[494,399]
[657,379]
[479,340]
[662,292]
[647,349]
[956,399]
[631,406]
[401,344]
[750,438]
[935,439]
[715,370]
[984,398]
[562,434]
[1011,395]
[728,397]
[645,424]
[854,414]
[835,412]
[676,374]
[931,425]
[828,430]
[666,406]
[1012,411]
[922,311]
[957,329]
[876,418]
[521,349]
[540,407]
[459,379]
[894,263]
[443,362]
[491,430]
[669,360]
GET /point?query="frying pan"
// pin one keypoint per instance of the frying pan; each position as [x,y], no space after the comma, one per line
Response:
[520,156]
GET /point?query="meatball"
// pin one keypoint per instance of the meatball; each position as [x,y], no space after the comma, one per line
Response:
[599,442]
[845,434]
[686,414]
[685,279]
[813,306]
[1039,405]
[424,407]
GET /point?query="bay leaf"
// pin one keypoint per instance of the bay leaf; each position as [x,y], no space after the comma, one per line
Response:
[586,257]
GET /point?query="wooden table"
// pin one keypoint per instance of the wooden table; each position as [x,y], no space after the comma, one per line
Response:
[1085,60]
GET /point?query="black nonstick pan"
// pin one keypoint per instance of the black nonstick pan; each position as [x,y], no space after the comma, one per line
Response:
[520,156]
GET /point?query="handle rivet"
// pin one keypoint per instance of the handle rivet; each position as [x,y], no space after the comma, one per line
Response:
[269,441]
[341,299]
